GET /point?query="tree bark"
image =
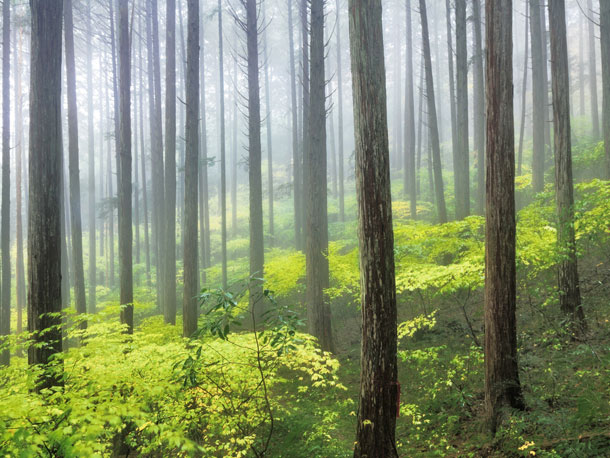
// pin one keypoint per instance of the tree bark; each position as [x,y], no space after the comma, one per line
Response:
[479,106]
[341,147]
[44,212]
[569,289]
[523,92]
[269,135]
[538,101]
[203,167]
[593,73]
[19,263]
[409,181]
[605,52]
[379,387]
[502,387]
[223,155]
[297,160]
[461,153]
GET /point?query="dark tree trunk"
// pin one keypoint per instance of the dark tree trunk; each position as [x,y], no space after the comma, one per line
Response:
[73,164]
[502,387]
[169,270]
[605,52]
[316,246]
[223,155]
[592,72]
[5,310]
[409,181]
[297,160]
[379,387]
[340,145]
[538,100]
[305,86]
[191,166]
[19,264]
[44,213]
[479,106]
[524,91]
[125,228]
[432,120]
[569,290]
[450,52]
[461,153]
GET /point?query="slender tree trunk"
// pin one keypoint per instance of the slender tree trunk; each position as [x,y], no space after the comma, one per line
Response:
[538,101]
[169,310]
[605,52]
[136,176]
[479,106]
[461,153]
[379,386]
[297,160]
[569,290]
[125,223]
[305,86]
[593,73]
[502,387]
[269,134]
[143,154]
[581,62]
[19,140]
[524,91]
[432,120]
[44,212]
[191,272]
[234,164]
[203,171]
[223,155]
[450,53]
[340,117]
[420,122]
[5,316]
[410,185]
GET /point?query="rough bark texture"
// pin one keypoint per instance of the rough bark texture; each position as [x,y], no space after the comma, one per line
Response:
[5,310]
[169,310]
[73,164]
[125,228]
[254,161]
[44,215]
[191,167]
[538,103]
[316,246]
[409,181]
[460,154]
[379,388]
[567,275]
[605,52]
[479,105]
[502,387]
[592,72]
[432,119]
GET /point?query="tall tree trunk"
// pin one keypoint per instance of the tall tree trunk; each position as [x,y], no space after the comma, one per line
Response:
[379,386]
[143,154]
[420,122]
[297,160]
[502,387]
[450,52]
[593,73]
[409,181]
[19,267]
[316,246]
[524,91]
[5,315]
[341,147]
[125,228]
[461,153]
[305,86]
[223,155]
[538,101]
[44,213]
[269,134]
[191,166]
[203,169]
[234,160]
[254,162]
[479,106]
[169,271]
[581,63]
[432,120]
[569,290]
[605,52]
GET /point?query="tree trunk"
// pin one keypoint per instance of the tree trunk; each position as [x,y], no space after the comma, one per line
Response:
[479,106]
[538,101]
[569,290]
[523,91]
[203,170]
[605,51]
[461,153]
[593,73]
[297,160]
[269,134]
[73,163]
[44,214]
[316,246]
[450,52]
[340,145]
[191,167]
[223,160]
[19,267]
[502,387]
[379,386]
[409,181]
[432,120]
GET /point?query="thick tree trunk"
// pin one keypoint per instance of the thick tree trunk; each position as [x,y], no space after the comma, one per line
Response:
[223,155]
[379,387]
[538,100]
[191,166]
[432,119]
[569,290]
[502,387]
[409,181]
[44,214]
[479,106]
[316,246]
[169,269]
[593,73]
[605,52]
[461,153]
[73,164]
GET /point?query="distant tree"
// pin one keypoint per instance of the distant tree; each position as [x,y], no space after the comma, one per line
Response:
[569,289]
[191,167]
[502,387]
[92,275]
[269,131]
[73,163]
[461,153]
[223,159]
[593,73]
[341,147]
[524,91]
[44,215]
[479,106]
[409,181]
[605,52]
[379,387]
[538,101]
[19,262]
[433,137]
[204,208]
